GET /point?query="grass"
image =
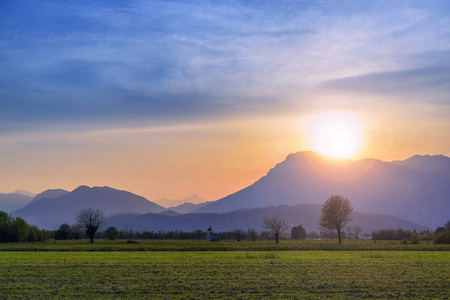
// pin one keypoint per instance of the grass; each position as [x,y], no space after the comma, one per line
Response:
[201,245]
[225,274]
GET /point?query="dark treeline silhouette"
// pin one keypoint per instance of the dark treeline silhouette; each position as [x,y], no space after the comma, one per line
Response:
[403,235]
[238,235]
[391,234]
[442,234]
[17,230]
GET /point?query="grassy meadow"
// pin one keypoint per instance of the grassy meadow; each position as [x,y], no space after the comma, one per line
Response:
[203,245]
[184,269]
[223,274]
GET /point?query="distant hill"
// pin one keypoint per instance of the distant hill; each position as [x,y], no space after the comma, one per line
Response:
[50,213]
[13,201]
[417,189]
[186,207]
[25,193]
[168,203]
[50,194]
[304,214]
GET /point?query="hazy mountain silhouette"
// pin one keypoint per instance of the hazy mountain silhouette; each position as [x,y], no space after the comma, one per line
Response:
[25,193]
[167,203]
[51,213]
[50,194]
[13,201]
[186,207]
[416,189]
[304,214]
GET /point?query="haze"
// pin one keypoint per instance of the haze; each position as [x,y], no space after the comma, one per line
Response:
[173,98]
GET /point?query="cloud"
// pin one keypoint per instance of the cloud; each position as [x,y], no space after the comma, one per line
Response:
[138,63]
[431,84]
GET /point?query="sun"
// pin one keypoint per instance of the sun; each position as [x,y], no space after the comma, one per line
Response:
[334,134]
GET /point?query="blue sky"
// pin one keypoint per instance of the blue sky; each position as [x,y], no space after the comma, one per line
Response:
[77,67]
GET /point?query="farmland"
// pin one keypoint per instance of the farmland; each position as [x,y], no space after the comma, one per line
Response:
[120,272]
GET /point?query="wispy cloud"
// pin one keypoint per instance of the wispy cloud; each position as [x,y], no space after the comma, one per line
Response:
[120,63]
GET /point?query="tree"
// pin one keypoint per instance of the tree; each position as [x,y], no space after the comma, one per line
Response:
[90,220]
[77,232]
[252,234]
[112,233]
[64,232]
[298,232]
[20,230]
[276,225]
[357,231]
[336,212]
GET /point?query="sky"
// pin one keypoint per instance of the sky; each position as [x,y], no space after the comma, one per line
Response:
[167,99]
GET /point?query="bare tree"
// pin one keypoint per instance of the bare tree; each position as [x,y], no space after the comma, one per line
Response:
[357,231]
[276,225]
[90,220]
[336,212]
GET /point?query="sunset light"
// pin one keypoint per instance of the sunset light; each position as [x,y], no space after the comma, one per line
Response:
[334,134]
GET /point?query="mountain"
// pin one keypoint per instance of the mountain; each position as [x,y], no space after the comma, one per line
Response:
[417,189]
[50,194]
[25,193]
[304,214]
[186,207]
[50,213]
[177,202]
[13,201]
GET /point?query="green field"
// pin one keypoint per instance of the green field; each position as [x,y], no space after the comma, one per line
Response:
[223,274]
[203,245]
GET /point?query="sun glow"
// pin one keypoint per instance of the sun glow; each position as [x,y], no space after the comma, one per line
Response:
[334,134]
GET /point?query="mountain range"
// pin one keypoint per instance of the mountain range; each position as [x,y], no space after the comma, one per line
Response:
[59,206]
[416,189]
[13,201]
[304,214]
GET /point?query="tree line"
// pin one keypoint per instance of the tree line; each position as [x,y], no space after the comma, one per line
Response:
[18,230]
[335,214]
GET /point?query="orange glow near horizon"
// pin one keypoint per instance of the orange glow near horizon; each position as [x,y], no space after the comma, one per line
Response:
[334,134]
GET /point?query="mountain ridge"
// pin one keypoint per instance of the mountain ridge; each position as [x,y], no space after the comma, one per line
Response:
[373,186]
[51,213]
[304,214]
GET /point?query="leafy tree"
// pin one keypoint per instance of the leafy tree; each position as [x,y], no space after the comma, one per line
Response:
[348,231]
[17,230]
[238,235]
[357,231]
[276,225]
[111,233]
[442,234]
[90,220]
[77,232]
[266,235]
[336,212]
[252,234]
[298,232]
[313,235]
[20,230]
[64,232]
[5,227]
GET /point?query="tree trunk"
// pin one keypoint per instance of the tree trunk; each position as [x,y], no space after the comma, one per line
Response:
[339,234]
[91,238]
[276,238]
